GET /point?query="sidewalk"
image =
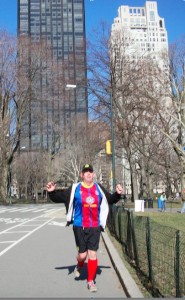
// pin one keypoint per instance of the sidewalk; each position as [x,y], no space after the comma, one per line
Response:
[130,287]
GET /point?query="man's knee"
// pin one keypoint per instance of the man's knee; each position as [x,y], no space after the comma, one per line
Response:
[82,256]
[92,254]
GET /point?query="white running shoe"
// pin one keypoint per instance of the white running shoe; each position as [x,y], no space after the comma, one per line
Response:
[91,286]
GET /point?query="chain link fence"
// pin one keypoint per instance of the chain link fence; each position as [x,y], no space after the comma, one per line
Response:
[156,251]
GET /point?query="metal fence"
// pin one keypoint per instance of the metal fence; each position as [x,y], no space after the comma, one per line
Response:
[156,251]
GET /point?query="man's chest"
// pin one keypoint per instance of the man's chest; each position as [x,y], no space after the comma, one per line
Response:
[88,197]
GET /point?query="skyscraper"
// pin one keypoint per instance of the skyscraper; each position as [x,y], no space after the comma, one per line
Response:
[52,109]
[143,30]
[139,56]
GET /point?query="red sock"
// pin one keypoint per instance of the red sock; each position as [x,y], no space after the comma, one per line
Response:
[80,263]
[91,269]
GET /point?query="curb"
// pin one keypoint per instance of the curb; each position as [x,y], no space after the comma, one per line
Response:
[129,285]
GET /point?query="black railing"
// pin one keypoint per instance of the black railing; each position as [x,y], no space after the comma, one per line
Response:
[156,251]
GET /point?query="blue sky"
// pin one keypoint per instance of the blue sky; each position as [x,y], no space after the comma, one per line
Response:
[173,11]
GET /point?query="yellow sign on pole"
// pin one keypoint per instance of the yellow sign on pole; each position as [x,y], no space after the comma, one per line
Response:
[109,147]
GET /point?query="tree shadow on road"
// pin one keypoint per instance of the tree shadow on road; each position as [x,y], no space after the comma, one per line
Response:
[83,275]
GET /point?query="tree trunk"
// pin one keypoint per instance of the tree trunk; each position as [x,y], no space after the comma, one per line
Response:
[144,181]
[183,180]
[26,189]
[3,185]
[134,183]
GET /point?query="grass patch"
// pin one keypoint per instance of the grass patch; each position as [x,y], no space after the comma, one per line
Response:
[131,270]
[173,220]
[169,204]
[170,218]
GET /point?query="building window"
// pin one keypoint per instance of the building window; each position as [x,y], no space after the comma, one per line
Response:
[161,24]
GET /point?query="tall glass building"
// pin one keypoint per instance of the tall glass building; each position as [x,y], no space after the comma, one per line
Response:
[59,24]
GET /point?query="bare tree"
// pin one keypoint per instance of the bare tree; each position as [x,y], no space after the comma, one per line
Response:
[141,102]
[22,173]
[82,147]
[177,81]
[17,80]
[30,172]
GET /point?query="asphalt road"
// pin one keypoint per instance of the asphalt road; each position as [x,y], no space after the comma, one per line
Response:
[38,256]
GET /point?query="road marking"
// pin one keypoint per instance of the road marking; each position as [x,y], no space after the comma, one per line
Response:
[39,210]
[22,238]
[26,209]
[14,210]
[33,209]
[30,225]
[4,242]
[63,224]
[13,220]
[52,212]
[54,209]
[15,232]
[20,224]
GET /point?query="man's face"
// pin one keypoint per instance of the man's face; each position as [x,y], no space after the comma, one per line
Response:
[87,176]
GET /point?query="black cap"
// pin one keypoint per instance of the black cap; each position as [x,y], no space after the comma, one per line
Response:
[87,167]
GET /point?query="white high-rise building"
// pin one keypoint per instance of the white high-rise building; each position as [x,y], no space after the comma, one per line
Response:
[139,61]
[143,30]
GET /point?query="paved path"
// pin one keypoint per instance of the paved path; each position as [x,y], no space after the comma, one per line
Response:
[37,257]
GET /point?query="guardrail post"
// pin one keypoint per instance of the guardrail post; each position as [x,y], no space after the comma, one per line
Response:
[131,228]
[177,264]
[149,252]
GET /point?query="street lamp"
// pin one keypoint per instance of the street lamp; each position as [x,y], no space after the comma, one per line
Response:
[74,86]
[113,145]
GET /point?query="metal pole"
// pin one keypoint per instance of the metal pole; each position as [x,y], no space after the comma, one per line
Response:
[177,265]
[113,145]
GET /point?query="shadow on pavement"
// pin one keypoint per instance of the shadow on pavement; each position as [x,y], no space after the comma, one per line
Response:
[84,270]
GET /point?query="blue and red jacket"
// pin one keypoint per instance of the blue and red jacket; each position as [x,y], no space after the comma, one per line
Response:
[86,207]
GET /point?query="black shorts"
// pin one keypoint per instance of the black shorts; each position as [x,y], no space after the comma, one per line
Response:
[87,238]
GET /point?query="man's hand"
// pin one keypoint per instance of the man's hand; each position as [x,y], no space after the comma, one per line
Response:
[51,186]
[119,189]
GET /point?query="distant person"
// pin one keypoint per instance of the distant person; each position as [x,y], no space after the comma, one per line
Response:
[157,196]
[163,202]
[182,209]
[177,196]
[87,208]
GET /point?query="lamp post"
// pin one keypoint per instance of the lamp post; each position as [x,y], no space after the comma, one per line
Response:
[113,145]
[74,86]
